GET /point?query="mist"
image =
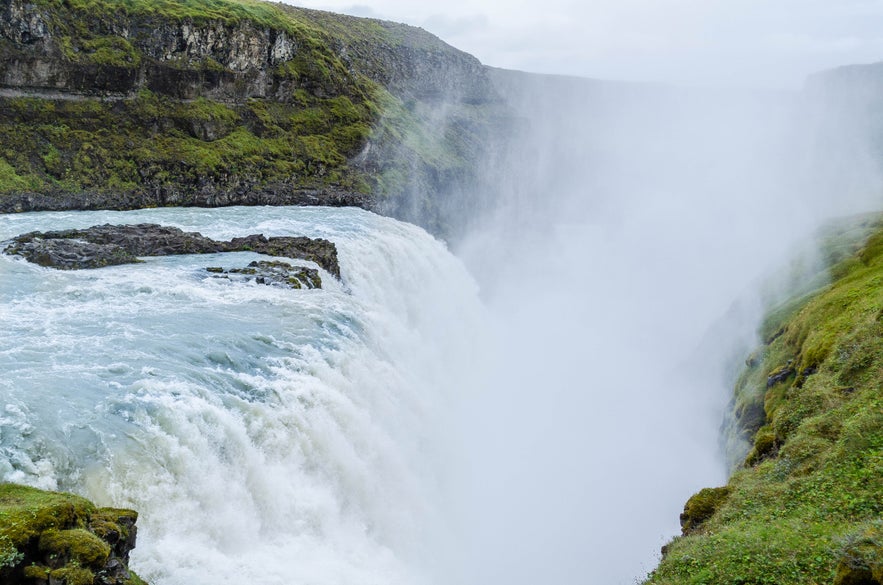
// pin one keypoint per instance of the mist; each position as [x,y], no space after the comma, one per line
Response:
[622,239]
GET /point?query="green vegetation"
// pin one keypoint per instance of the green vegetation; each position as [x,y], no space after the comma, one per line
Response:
[806,506]
[62,536]
[214,102]
[157,142]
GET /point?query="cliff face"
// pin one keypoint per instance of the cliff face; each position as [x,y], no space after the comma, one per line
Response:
[128,103]
[224,51]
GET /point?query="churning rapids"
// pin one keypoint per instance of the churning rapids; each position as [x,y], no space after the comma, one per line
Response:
[266,435]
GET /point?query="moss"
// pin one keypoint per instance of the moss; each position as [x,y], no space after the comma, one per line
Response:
[110,50]
[36,572]
[134,579]
[72,576]
[765,445]
[27,512]
[861,556]
[702,506]
[62,536]
[77,544]
[10,180]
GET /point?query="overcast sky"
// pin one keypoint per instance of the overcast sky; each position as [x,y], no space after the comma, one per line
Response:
[759,43]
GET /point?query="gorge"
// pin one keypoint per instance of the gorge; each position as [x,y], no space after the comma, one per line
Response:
[529,394]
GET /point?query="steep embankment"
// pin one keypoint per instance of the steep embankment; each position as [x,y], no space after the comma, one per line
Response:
[129,103]
[806,505]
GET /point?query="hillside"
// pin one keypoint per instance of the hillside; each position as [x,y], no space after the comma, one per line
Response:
[128,103]
[806,505]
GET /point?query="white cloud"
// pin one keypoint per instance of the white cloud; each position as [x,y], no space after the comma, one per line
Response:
[748,42]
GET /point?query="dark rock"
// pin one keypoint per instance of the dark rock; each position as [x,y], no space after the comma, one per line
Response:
[751,416]
[108,245]
[779,375]
[70,254]
[140,240]
[274,274]
[318,250]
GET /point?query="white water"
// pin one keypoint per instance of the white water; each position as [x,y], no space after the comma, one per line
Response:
[266,435]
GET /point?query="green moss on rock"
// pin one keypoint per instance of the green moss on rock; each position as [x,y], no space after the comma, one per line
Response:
[62,538]
[861,557]
[702,506]
[75,545]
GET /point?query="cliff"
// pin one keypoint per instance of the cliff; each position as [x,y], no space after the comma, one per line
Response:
[128,103]
[806,504]
[48,537]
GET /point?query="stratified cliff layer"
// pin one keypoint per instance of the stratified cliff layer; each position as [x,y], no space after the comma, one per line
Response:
[807,504]
[133,103]
[49,537]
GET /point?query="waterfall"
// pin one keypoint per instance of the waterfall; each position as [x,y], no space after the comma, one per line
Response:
[266,435]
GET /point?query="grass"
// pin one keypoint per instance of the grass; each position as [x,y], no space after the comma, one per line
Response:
[806,506]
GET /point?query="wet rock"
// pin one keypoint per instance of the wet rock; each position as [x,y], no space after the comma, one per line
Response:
[273,273]
[318,250]
[109,245]
[144,239]
[70,254]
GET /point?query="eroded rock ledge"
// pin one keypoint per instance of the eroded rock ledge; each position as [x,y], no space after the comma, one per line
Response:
[110,245]
[63,539]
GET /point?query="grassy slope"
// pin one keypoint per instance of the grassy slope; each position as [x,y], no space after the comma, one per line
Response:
[806,507]
[154,143]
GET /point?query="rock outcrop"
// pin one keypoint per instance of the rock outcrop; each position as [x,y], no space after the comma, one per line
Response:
[109,245]
[61,539]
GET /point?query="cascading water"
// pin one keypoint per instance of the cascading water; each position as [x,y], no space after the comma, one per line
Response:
[267,435]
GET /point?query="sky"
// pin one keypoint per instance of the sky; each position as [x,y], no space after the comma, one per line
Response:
[751,43]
